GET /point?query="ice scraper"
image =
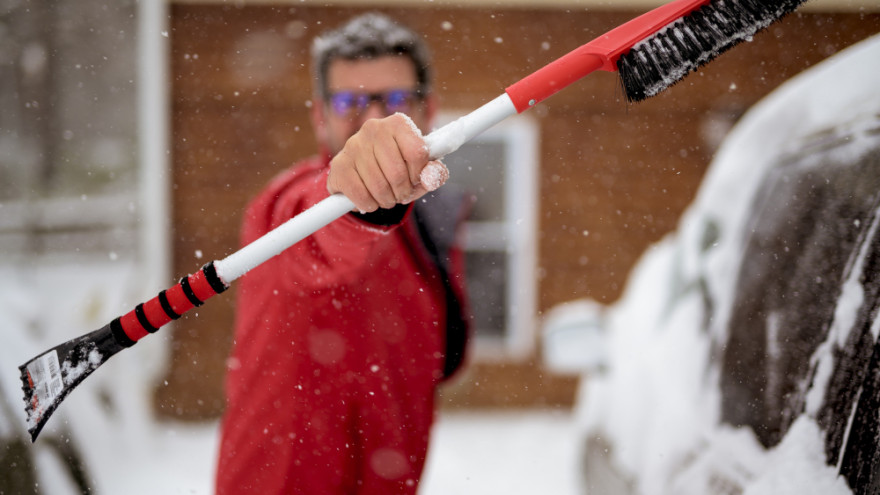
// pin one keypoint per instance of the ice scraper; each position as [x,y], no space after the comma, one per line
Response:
[650,52]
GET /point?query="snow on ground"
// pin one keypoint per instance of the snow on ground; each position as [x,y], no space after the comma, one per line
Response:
[472,453]
[178,460]
[510,453]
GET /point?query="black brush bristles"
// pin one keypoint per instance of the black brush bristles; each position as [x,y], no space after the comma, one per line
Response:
[663,59]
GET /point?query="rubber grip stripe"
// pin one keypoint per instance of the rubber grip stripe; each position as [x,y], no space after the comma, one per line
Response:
[187,290]
[166,306]
[132,327]
[178,300]
[119,334]
[155,314]
[200,286]
[143,320]
[211,274]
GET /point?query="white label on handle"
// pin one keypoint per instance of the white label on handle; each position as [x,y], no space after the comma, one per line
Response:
[45,372]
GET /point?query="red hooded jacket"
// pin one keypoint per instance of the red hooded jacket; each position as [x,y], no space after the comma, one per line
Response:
[340,342]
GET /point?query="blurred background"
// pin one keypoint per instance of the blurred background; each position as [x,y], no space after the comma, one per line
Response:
[133,133]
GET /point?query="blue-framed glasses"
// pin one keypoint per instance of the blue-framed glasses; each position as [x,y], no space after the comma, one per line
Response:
[352,103]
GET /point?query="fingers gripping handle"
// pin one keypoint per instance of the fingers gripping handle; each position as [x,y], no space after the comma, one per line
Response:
[148,317]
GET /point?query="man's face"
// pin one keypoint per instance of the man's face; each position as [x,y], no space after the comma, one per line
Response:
[359,90]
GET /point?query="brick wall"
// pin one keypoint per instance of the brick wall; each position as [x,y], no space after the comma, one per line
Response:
[614,177]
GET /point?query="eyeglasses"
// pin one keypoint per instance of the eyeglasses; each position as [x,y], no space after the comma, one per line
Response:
[351,104]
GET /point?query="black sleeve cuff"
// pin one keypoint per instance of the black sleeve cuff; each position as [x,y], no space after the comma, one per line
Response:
[384,217]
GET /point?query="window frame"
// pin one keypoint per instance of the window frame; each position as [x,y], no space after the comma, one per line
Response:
[519,137]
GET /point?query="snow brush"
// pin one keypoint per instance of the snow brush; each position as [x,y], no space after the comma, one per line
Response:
[651,53]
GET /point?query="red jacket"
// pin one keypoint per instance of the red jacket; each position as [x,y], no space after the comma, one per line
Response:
[340,342]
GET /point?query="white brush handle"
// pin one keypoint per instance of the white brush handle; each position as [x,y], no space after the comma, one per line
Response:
[440,143]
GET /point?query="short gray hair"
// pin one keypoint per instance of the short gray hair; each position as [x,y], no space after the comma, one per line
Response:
[370,36]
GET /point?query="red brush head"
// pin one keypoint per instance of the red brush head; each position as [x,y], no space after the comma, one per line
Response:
[600,54]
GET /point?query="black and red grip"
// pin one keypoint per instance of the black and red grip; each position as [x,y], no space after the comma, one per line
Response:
[192,291]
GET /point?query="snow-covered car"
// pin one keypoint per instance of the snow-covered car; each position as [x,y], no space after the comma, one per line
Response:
[743,356]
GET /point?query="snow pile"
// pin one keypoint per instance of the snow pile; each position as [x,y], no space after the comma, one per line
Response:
[573,341]
[797,466]
[511,453]
[658,405]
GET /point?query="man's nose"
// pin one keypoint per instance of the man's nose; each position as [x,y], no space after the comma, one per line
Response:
[375,110]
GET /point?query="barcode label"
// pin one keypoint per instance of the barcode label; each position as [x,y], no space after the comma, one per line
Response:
[45,372]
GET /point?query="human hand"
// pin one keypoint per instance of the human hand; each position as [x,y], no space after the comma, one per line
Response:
[385,163]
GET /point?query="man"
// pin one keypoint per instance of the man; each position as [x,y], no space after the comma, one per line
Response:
[342,339]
